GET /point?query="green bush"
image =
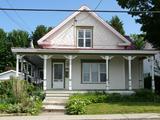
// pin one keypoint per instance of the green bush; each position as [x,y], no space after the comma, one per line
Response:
[33,107]
[148,83]
[115,97]
[36,108]
[3,107]
[144,95]
[76,106]
[19,96]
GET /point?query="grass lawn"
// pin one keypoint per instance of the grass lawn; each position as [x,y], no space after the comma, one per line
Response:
[130,107]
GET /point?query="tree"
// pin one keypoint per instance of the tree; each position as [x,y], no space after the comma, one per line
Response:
[3,50]
[117,24]
[150,21]
[18,38]
[15,38]
[138,41]
[40,31]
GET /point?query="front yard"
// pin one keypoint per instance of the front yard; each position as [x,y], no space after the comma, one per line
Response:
[143,101]
[122,108]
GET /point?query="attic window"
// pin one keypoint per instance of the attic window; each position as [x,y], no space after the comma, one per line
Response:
[84,37]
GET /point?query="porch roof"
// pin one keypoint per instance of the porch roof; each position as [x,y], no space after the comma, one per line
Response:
[84,51]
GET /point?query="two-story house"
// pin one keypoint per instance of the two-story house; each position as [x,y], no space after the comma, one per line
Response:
[85,53]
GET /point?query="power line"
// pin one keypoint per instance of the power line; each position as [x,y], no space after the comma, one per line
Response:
[98,4]
[22,20]
[88,14]
[73,10]
[13,20]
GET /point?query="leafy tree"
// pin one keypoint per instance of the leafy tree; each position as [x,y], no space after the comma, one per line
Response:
[117,24]
[18,38]
[3,50]
[40,31]
[15,38]
[138,41]
[150,21]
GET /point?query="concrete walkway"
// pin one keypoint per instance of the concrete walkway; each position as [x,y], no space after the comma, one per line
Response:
[144,116]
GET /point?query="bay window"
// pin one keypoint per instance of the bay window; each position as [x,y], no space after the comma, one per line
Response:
[93,72]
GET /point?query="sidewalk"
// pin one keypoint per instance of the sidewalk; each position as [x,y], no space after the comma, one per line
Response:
[144,116]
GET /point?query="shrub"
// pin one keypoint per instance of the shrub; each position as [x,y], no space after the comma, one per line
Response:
[31,107]
[144,95]
[115,97]
[38,95]
[76,106]
[19,96]
[14,108]
[3,107]
[36,107]
[148,83]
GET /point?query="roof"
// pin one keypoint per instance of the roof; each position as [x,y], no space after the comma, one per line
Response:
[42,41]
[83,51]
[9,71]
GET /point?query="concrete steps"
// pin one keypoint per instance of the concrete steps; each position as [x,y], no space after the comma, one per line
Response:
[55,100]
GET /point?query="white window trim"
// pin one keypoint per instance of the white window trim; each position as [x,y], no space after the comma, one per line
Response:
[84,38]
[90,74]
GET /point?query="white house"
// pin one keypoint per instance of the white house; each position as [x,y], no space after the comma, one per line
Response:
[86,53]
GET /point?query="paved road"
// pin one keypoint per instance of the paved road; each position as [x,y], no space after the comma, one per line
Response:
[146,116]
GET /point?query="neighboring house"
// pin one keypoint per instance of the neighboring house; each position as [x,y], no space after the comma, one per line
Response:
[148,63]
[86,53]
[7,74]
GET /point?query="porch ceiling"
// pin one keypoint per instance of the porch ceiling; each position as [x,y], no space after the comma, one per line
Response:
[35,60]
[84,51]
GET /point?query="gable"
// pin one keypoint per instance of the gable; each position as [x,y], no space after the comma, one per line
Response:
[64,35]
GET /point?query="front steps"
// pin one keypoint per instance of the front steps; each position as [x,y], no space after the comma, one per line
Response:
[55,101]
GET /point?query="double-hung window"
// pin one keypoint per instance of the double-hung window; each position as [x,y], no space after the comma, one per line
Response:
[84,37]
[93,72]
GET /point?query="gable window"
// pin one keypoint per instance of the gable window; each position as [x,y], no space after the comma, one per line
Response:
[84,37]
[93,72]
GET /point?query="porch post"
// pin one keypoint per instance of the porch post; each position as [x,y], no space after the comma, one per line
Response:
[107,58]
[70,72]
[70,58]
[152,72]
[45,72]
[21,64]
[45,57]
[129,58]
[17,65]
[130,72]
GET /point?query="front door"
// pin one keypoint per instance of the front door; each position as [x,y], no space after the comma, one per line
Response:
[58,75]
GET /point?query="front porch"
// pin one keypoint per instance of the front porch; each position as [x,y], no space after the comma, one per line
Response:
[63,69]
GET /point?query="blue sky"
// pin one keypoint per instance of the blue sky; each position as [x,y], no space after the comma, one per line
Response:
[32,19]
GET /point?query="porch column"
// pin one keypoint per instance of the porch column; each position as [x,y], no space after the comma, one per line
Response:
[45,58]
[70,58]
[21,64]
[107,58]
[152,73]
[130,72]
[17,65]
[45,72]
[129,58]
